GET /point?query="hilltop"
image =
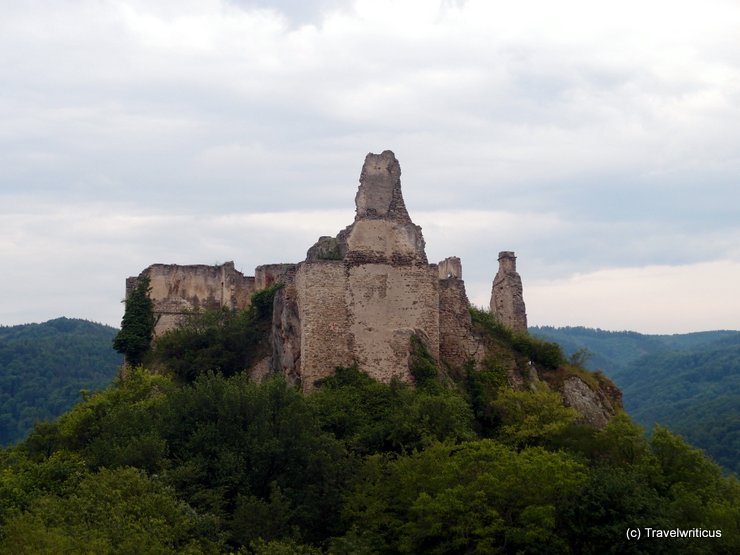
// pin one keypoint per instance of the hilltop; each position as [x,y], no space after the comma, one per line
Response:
[43,368]
[366,297]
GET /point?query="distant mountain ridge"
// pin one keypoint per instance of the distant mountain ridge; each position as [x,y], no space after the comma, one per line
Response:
[687,382]
[43,368]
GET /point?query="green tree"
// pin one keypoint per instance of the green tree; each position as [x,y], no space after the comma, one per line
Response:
[371,417]
[217,340]
[612,501]
[477,497]
[137,326]
[254,455]
[112,511]
[115,427]
[532,417]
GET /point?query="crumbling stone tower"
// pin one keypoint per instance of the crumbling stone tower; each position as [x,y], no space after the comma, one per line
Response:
[360,296]
[507,296]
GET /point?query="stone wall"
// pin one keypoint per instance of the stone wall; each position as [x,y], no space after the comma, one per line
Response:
[325,341]
[287,329]
[267,274]
[450,267]
[386,306]
[349,314]
[361,295]
[457,341]
[177,289]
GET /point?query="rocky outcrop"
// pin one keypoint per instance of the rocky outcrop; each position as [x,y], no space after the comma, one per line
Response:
[596,406]
[507,296]
[286,331]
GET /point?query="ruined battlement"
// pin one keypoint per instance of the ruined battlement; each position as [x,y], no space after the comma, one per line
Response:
[177,290]
[360,296]
[450,267]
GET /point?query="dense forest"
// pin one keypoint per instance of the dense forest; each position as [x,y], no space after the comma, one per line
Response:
[196,458]
[689,383]
[44,367]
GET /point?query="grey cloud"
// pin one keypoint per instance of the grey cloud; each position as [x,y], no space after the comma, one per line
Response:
[187,112]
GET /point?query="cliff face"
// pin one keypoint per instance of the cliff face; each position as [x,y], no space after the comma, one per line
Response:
[360,296]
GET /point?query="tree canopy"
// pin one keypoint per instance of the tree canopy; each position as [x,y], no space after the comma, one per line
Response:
[199,460]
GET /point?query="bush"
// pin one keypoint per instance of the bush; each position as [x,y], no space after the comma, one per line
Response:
[218,340]
[546,353]
[423,367]
[137,326]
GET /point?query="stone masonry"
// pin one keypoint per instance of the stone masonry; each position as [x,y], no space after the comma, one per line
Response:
[177,290]
[507,298]
[360,296]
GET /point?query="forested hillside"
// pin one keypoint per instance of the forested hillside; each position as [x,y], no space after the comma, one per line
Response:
[43,368]
[687,382]
[193,460]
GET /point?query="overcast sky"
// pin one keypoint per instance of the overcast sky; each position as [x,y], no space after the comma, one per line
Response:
[598,140]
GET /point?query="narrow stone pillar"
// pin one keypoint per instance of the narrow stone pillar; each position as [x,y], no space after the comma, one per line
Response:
[507,295]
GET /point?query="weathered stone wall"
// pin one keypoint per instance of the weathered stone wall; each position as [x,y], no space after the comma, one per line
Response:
[287,329]
[268,274]
[354,314]
[507,295]
[379,193]
[177,289]
[325,343]
[363,294]
[450,267]
[457,341]
[386,306]
[384,241]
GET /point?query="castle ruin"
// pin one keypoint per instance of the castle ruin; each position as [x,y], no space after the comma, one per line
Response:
[357,298]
